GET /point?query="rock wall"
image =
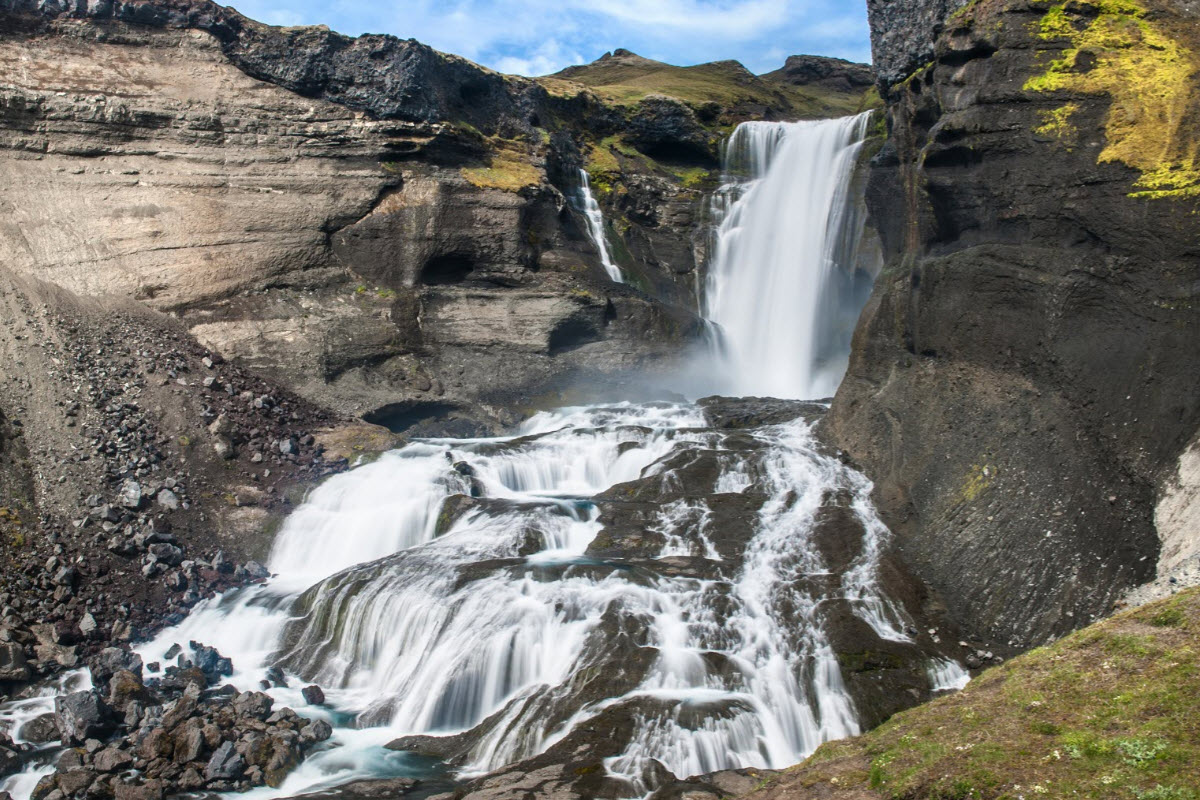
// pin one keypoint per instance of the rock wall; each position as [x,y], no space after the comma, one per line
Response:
[368,258]
[903,33]
[1024,377]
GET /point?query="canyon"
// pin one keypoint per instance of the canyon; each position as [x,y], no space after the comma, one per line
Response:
[255,278]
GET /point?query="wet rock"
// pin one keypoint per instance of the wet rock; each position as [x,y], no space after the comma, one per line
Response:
[110,661]
[316,731]
[125,688]
[40,730]
[81,716]
[313,695]
[255,705]
[10,761]
[225,764]
[256,571]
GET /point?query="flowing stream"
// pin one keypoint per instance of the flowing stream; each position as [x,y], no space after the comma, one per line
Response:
[624,576]
[595,225]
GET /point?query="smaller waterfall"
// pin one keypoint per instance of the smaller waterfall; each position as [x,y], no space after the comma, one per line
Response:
[595,222]
[781,286]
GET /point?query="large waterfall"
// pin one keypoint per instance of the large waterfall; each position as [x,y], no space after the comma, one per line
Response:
[480,597]
[635,578]
[781,285]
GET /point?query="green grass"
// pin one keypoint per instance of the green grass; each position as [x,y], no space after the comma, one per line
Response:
[627,80]
[1108,713]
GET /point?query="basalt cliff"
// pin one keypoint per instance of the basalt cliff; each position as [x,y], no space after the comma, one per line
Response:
[1023,383]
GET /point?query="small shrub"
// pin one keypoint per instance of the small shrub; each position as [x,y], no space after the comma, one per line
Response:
[1169,618]
[1045,728]
[1161,792]
[1139,752]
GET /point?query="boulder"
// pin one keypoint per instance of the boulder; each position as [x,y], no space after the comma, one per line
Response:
[226,764]
[110,661]
[82,716]
[13,666]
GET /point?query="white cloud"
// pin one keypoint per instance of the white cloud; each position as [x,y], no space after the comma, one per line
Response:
[738,20]
[533,37]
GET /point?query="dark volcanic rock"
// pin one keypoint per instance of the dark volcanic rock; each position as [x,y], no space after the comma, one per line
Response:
[835,74]
[386,76]
[1023,379]
[82,716]
[903,33]
[175,735]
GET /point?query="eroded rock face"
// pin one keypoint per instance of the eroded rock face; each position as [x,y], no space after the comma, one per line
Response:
[903,34]
[229,175]
[1023,379]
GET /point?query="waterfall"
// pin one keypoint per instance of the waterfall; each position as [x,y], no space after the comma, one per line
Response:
[781,284]
[628,559]
[476,599]
[595,225]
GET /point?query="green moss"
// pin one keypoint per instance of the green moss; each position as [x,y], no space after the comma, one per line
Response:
[1114,49]
[694,177]
[1108,713]
[507,171]
[601,160]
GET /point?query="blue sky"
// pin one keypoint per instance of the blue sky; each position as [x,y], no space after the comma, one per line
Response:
[535,37]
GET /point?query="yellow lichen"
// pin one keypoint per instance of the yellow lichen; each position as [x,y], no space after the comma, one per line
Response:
[1057,122]
[1116,51]
[978,480]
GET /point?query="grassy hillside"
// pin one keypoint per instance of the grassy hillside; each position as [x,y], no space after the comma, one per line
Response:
[1112,711]
[625,79]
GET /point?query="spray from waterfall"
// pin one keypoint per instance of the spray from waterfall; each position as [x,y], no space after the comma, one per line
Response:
[595,224]
[782,286]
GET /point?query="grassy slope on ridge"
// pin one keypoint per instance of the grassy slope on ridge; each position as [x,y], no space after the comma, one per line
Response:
[1112,711]
[625,79]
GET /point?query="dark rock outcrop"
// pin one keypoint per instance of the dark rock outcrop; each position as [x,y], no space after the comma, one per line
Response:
[903,34]
[174,733]
[1023,379]
[388,77]
[833,74]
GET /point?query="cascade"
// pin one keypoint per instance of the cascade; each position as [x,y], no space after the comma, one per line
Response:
[595,225]
[782,286]
[506,595]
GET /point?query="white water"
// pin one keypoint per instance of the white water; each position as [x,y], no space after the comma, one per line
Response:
[776,282]
[502,612]
[491,620]
[595,224]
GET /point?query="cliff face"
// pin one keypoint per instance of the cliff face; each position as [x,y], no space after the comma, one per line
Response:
[392,231]
[1023,383]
